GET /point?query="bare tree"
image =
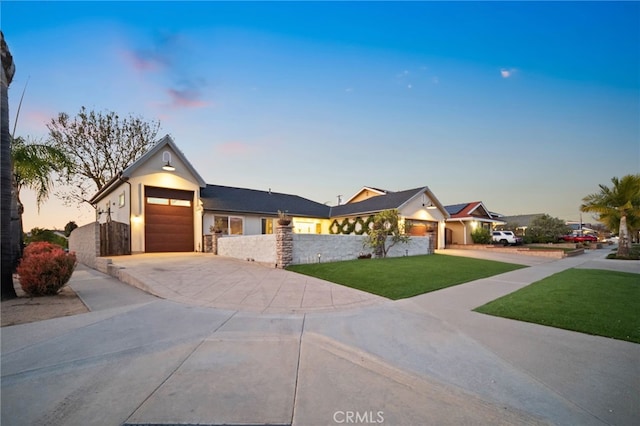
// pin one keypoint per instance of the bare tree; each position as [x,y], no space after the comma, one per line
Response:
[99,146]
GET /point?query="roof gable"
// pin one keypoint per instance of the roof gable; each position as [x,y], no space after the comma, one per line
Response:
[390,200]
[365,193]
[163,143]
[473,209]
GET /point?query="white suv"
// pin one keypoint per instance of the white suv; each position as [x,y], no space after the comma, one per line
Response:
[505,238]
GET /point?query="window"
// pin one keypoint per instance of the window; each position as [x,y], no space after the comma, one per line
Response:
[229,225]
[159,201]
[167,202]
[181,203]
[235,226]
[267,226]
[121,200]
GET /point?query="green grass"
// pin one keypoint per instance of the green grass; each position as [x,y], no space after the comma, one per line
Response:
[401,277]
[604,303]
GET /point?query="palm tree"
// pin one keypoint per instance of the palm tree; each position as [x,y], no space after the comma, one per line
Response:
[618,207]
[33,165]
[7,70]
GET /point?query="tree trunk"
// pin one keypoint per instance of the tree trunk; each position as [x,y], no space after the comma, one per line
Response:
[6,276]
[624,242]
[17,240]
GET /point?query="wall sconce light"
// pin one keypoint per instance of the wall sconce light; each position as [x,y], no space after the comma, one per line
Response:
[166,156]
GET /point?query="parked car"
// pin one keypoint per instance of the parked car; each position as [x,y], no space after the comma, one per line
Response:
[505,238]
[580,238]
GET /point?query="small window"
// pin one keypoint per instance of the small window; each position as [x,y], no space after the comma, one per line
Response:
[121,201]
[159,201]
[235,226]
[181,203]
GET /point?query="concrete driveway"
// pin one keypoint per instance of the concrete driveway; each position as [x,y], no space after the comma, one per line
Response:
[217,282]
[429,360]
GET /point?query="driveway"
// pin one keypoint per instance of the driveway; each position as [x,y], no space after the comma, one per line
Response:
[217,282]
[429,360]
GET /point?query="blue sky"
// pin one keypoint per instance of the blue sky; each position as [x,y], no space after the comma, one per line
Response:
[525,106]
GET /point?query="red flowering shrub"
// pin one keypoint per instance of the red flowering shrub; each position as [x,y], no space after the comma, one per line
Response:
[45,268]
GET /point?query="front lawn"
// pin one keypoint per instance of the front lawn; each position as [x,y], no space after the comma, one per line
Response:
[401,277]
[604,303]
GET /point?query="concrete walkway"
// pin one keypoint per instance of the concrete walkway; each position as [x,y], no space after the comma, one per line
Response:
[140,360]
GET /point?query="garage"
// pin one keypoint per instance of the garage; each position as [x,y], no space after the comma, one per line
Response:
[168,220]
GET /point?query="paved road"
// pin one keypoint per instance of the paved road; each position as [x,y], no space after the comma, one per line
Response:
[139,360]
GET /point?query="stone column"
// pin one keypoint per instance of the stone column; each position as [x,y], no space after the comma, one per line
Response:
[214,242]
[208,243]
[284,246]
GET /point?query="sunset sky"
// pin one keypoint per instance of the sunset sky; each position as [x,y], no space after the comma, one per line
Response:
[524,106]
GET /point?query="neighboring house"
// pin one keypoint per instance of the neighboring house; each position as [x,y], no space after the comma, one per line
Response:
[169,207]
[465,218]
[521,222]
[419,206]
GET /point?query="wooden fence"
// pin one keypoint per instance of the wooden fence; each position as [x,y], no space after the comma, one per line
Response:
[114,239]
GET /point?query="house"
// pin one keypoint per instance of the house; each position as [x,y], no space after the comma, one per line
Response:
[465,218]
[169,208]
[419,206]
[520,222]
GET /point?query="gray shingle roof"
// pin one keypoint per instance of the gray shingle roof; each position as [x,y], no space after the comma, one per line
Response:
[391,200]
[241,200]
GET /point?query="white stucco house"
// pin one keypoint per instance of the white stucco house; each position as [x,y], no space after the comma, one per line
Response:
[169,207]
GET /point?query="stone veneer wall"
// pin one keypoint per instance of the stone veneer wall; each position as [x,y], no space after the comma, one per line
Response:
[85,242]
[256,248]
[285,248]
[332,248]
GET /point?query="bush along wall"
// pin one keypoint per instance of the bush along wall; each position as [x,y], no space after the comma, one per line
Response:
[45,268]
[348,226]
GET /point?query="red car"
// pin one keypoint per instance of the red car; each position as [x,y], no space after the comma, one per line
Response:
[580,238]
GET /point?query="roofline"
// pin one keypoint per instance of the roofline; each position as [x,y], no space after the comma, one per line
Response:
[477,219]
[113,183]
[433,198]
[369,188]
[166,140]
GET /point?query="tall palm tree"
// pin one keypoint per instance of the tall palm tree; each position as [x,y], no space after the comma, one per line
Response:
[7,70]
[618,207]
[33,165]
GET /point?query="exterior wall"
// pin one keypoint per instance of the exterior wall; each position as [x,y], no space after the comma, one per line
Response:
[306,225]
[151,174]
[458,233]
[116,206]
[258,248]
[333,248]
[252,225]
[85,242]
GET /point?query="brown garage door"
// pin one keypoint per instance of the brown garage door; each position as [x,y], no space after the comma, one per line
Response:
[168,220]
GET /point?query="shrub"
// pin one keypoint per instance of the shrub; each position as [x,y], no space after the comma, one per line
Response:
[481,236]
[45,268]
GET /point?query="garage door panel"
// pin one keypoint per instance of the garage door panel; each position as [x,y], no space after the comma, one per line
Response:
[168,227]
